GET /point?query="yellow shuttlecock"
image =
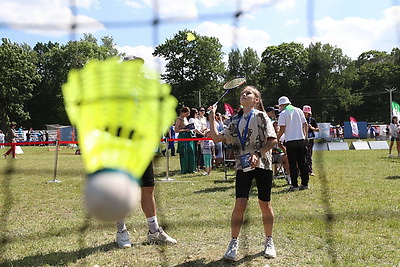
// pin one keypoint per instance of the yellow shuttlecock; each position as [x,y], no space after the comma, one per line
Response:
[190,36]
[120,110]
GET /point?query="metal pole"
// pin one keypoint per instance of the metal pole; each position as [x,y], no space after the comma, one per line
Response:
[391,100]
[55,165]
[199,97]
[167,161]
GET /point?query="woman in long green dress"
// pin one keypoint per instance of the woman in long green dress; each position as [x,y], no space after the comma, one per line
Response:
[186,149]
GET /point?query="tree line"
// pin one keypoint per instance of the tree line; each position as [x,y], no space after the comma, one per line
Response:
[319,75]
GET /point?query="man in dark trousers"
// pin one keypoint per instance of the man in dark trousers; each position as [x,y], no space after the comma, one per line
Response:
[312,128]
[293,124]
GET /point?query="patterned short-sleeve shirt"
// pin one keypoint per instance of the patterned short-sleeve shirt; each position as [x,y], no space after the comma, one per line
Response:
[260,128]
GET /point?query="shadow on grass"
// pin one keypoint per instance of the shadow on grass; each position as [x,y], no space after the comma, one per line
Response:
[223,181]
[170,173]
[396,177]
[48,172]
[214,189]
[221,262]
[59,258]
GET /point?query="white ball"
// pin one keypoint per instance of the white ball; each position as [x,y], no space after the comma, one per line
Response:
[111,195]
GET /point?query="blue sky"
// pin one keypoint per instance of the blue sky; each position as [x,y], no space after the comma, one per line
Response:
[355,26]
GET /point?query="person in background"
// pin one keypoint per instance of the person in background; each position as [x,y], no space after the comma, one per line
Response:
[186,149]
[253,137]
[293,124]
[203,129]
[219,159]
[155,234]
[171,144]
[312,128]
[2,139]
[208,150]
[394,129]
[279,154]
[10,138]
[196,127]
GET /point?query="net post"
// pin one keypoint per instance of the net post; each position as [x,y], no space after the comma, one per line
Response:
[167,161]
[55,164]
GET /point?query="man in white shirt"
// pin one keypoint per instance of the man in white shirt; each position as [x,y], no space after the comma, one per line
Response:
[293,124]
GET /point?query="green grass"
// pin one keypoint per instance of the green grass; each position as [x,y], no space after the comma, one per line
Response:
[350,217]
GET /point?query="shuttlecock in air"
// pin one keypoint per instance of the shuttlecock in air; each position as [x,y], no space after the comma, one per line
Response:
[190,37]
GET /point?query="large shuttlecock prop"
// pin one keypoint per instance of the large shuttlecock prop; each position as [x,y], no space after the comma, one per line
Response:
[120,110]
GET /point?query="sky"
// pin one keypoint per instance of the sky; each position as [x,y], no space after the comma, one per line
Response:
[355,26]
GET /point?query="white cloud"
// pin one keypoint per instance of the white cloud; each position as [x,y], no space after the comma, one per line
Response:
[251,5]
[256,39]
[175,8]
[145,52]
[189,8]
[48,18]
[284,5]
[356,35]
[133,4]
[85,3]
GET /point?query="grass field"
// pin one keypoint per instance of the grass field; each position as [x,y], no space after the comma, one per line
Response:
[349,217]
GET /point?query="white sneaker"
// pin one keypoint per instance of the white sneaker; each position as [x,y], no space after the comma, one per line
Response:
[288,179]
[269,251]
[123,239]
[160,237]
[391,156]
[232,250]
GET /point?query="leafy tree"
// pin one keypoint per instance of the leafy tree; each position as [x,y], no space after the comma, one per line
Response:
[325,86]
[282,70]
[55,61]
[375,71]
[251,66]
[247,65]
[18,78]
[194,68]
[234,69]
[235,66]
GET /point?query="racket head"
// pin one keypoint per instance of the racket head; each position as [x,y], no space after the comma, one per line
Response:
[234,83]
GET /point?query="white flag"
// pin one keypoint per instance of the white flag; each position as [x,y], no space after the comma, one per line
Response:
[354,127]
[395,109]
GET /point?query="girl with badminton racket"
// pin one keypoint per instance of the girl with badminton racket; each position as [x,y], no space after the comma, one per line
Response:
[253,137]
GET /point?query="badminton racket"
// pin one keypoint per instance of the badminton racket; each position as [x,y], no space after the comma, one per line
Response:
[232,84]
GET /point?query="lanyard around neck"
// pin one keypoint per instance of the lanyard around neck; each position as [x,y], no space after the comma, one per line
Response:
[245,130]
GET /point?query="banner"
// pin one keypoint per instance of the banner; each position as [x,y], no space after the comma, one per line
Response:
[395,110]
[228,110]
[354,127]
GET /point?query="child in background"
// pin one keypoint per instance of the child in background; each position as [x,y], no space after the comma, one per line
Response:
[208,149]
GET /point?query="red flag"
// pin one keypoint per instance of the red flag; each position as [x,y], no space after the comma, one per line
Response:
[228,109]
[354,127]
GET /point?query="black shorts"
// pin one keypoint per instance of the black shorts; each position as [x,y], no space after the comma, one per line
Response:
[244,181]
[148,176]
[394,139]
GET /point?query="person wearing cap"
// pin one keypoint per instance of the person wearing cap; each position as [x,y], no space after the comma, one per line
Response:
[312,128]
[293,124]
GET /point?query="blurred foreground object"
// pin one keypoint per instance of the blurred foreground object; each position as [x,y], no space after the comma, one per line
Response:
[120,110]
